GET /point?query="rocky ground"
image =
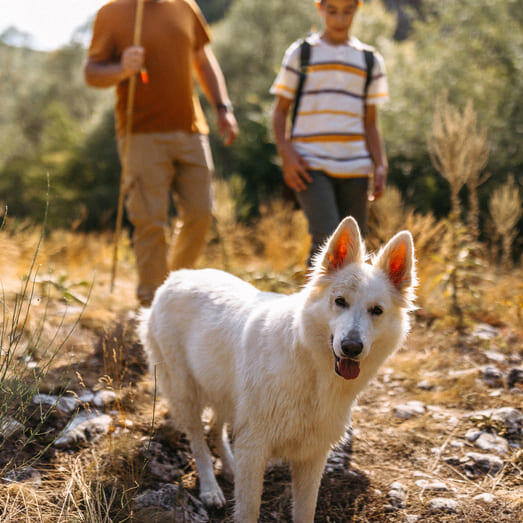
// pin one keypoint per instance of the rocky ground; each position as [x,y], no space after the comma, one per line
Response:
[436,437]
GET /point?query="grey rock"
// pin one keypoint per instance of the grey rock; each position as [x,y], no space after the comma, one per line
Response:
[409,409]
[166,498]
[26,474]
[452,460]
[10,427]
[493,377]
[397,495]
[165,465]
[484,331]
[492,443]
[510,418]
[84,427]
[172,498]
[65,404]
[515,377]
[495,356]
[479,464]
[433,485]
[485,497]
[104,398]
[86,396]
[443,505]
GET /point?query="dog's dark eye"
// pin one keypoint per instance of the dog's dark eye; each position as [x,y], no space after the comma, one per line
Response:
[340,302]
[376,310]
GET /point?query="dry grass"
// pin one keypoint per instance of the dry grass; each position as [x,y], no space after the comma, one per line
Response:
[97,482]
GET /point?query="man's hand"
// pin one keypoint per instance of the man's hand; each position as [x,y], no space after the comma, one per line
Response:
[380,178]
[132,60]
[294,168]
[227,125]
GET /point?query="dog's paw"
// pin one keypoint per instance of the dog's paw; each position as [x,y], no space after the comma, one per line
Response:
[213,498]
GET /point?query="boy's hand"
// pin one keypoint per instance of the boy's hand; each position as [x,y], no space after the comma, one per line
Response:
[294,168]
[380,178]
[227,126]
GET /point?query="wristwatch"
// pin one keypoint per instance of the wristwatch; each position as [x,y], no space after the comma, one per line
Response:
[226,106]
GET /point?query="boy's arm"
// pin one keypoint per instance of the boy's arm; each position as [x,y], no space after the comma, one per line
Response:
[376,149]
[294,166]
[212,81]
[107,74]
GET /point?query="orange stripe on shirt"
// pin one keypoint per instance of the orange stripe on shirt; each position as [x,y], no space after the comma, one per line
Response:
[337,67]
[284,87]
[329,138]
[346,113]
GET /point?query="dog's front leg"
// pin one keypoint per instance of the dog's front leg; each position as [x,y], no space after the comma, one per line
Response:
[306,478]
[250,460]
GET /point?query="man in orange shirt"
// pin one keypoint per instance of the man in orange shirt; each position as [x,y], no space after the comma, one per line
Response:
[169,148]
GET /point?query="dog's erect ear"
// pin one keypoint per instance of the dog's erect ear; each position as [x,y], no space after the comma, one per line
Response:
[396,260]
[344,246]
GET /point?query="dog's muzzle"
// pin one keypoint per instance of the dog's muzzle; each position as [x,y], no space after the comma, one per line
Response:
[347,368]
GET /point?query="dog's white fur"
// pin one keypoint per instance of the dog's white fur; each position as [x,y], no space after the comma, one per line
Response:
[264,362]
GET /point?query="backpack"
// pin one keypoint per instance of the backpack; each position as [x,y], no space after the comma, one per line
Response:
[305,53]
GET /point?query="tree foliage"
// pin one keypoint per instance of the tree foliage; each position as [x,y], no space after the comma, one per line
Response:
[51,122]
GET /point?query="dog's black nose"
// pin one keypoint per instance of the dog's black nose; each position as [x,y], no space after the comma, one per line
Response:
[351,347]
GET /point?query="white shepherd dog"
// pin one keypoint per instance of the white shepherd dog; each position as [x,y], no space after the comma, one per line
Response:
[282,371]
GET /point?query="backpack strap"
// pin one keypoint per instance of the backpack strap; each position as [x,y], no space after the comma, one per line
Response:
[305,53]
[369,62]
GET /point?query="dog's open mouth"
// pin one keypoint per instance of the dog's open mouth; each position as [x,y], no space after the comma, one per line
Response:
[346,368]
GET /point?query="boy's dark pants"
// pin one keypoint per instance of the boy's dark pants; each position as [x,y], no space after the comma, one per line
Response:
[327,200]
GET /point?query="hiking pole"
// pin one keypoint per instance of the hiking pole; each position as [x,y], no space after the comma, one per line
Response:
[128,129]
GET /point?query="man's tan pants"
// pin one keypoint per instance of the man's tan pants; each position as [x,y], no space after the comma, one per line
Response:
[160,164]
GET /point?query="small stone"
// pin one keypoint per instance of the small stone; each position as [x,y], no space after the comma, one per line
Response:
[484,331]
[425,385]
[492,443]
[411,518]
[495,356]
[435,485]
[443,505]
[65,404]
[452,460]
[86,396]
[492,376]
[397,495]
[104,398]
[510,418]
[409,409]
[10,427]
[478,464]
[84,427]
[473,434]
[485,497]
[515,377]
[26,474]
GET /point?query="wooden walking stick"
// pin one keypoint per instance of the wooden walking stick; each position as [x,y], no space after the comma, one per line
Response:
[128,130]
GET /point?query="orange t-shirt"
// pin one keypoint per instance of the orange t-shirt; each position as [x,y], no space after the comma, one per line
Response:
[172,30]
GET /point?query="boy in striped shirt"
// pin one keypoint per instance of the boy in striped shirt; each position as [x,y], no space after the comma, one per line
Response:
[334,145]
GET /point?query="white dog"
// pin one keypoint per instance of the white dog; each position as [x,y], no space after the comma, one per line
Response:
[281,370]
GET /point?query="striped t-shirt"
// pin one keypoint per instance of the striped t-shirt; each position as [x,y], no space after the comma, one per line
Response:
[329,127]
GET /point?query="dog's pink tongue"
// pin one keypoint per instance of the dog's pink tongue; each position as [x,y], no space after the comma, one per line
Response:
[349,369]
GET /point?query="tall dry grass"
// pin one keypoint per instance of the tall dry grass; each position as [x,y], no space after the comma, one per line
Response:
[505,211]
[459,151]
